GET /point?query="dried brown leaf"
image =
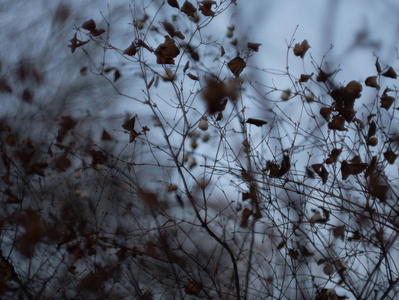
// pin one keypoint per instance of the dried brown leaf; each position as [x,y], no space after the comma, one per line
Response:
[206,8]
[372,129]
[337,123]
[11,140]
[254,46]
[354,88]
[129,124]
[326,113]
[321,171]
[390,73]
[339,232]
[193,77]
[372,82]
[66,124]
[236,66]
[294,254]
[186,66]
[167,51]
[4,86]
[305,78]
[98,158]
[322,76]
[377,189]
[174,3]
[245,216]
[89,25]
[378,67]
[386,101]
[390,156]
[352,169]
[301,49]
[256,122]
[189,9]
[131,50]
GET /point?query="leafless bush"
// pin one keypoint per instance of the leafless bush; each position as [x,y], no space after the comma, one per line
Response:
[189,195]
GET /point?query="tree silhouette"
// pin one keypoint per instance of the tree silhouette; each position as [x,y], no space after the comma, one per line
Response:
[188,195]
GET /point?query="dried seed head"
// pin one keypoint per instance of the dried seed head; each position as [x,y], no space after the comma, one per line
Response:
[203,124]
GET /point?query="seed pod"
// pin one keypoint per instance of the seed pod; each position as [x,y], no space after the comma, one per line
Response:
[373,141]
[286,95]
[203,124]
[328,270]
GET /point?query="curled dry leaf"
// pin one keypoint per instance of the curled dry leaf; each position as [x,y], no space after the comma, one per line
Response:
[339,232]
[294,254]
[170,29]
[98,158]
[5,87]
[316,217]
[89,25]
[98,32]
[117,75]
[206,8]
[326,113]
[61,162]
[129,126]
[377,66]
[301,49]
[377,189]
[352,169]
[305,78]
[174,3]
[256,122]
[67,123]
[390,156]
[386,101]
[141,43]
[333,156]
[193,77]
[189,9]
[75,43]
[390,73]
[106,136]
[337,123]
[354,88]
[275,170]
[322,76]
[372,129]
[214,95]
[254,46]
[193,52]
[234,42]
[11,141]
[321,171]
[245,217]
[236,66]
[167,51]
[186,66]
[372,82]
